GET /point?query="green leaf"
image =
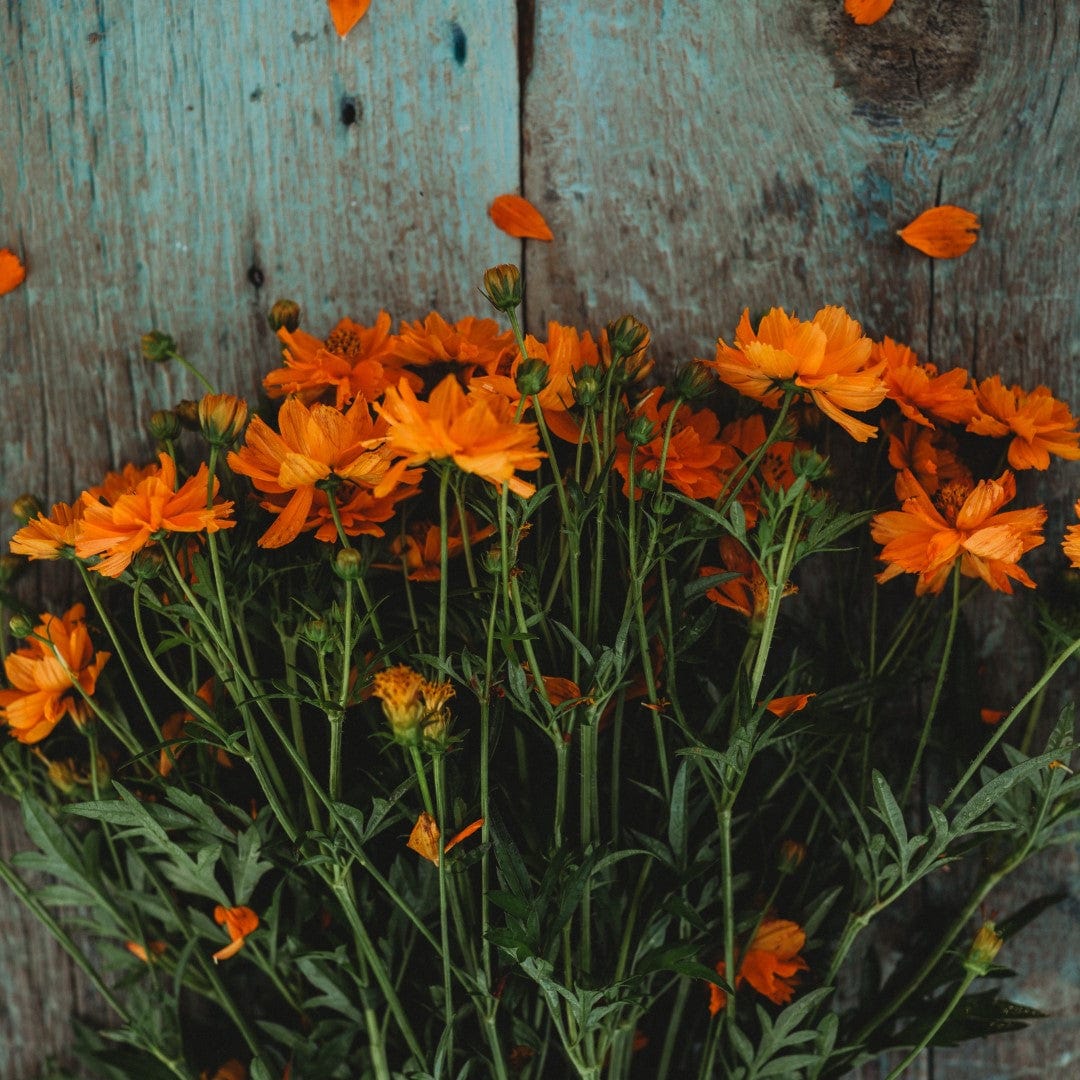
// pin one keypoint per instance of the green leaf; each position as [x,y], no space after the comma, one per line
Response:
[990,792]
[678,827]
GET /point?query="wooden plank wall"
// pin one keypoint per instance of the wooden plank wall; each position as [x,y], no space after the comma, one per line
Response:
[179,164]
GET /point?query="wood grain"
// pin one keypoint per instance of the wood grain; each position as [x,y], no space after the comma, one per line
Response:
[181,165]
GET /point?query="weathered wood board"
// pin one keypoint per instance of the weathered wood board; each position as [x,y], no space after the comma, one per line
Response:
[180,165]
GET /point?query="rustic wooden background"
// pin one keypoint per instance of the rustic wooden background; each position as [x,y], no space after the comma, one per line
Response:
[180,164]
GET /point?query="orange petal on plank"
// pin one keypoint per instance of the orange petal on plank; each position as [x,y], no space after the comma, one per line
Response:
[518,217]
[12,271]
[865,12]
[942,232]
[347,13]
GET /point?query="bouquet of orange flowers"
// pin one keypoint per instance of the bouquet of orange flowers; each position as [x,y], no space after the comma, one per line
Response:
[481,704]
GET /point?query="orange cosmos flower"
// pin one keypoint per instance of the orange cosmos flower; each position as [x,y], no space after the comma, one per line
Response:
[467,346]
[123,482]
[783,707]
[419,550]
[12,271]
[748,593]
[919,390]
[139,518]
[770,965]
[865,12]
[44,673]
[146,953]
[173,729]
[1071,544]
[943,232]
[353,360]
[424,838]
[478,433]
[825,359]
[316,445]
[697,460]
[931,454]
[49,537]
[518,217]
[1040,424]
[345,14]
[927,536]
[239,922]
[774,469]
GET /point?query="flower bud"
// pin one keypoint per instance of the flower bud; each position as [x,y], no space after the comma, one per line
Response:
[436,724]
[587,384]
[791,856]
[26,508]
[349,564]
[502,286]
[316,631]
[11,566]
[148,563]
[164,425]
[222,418]
[188,413]
[625,336]
[693,381]
[532,377]
[157,347]
[984,949]
[640,431]
[284,315]
[20,625]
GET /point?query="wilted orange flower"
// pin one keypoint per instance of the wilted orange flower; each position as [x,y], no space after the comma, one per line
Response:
[918,389]
[825,359]
[44,673]
[930,454]
[992,716]
[468,345]
[1071,544]
[783,707]
[12,271]
[424,838]
[419,550]
[865,12]
[1040,424]
[770,965]
[239,922]
[345,14]
[147,952]
[136,519]
[748,593]
[478,433]
[927,536]
[49,537]
[518,217]
[173,729]
[943,232]
[353,360]
[317,444]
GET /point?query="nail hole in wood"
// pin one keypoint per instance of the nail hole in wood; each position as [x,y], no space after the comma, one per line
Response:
[351,111]
[256,276]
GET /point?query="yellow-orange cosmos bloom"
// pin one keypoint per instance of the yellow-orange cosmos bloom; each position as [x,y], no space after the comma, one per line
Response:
[44,674]
[826,359]
[1041,425]
[49,537]
[770,965]
[140,517]
[921,393]
[315,444]
[1071,544]
[927,536]
[477,432]
[468,346]
[239,922]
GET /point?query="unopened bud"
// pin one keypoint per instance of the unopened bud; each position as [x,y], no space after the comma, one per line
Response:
[640,431]
[693,381]
[625,336]
[284,315]
[222,418]
[11,566]
[587,383]
[164,425]
[349,564]
[984,949]
[148,563]
[20,625]
[532,376]
[316,631]
[26,508]
[791,856]
[157,347]
[502,286]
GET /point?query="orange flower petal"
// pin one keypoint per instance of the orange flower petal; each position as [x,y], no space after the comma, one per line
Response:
[345,14]
[865,12]
[943,232]
[12,271]
[518,217]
